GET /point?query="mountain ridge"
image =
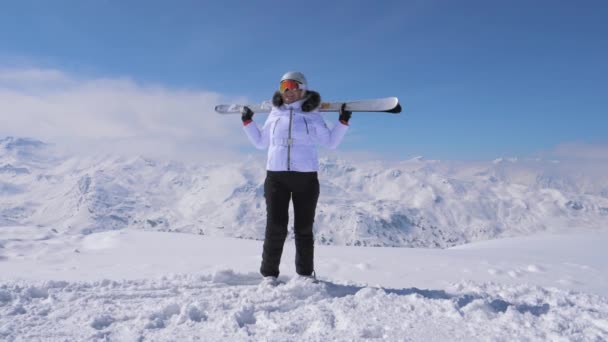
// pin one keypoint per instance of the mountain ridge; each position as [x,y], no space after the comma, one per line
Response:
[412,203]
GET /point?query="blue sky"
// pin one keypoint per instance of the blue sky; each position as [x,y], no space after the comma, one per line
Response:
[477,79]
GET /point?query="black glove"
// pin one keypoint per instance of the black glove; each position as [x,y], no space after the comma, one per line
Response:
[344,114]
[246,114]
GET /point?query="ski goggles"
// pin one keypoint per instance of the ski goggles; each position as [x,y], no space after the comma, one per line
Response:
[290,85]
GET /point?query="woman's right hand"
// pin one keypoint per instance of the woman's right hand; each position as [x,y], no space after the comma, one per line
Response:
[246,115]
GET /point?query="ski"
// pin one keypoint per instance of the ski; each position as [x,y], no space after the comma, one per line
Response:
[384,105]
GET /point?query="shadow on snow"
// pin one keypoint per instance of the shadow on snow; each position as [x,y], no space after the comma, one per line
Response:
[460,300]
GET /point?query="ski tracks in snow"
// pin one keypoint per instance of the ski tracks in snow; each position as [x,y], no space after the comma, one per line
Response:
[234,307]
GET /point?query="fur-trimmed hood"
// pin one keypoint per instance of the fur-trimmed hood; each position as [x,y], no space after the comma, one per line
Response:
[312,100]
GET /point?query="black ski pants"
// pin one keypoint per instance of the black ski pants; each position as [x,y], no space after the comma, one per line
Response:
[279,188]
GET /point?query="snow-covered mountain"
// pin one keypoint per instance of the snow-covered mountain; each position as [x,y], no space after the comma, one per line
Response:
[413,203]
[76,263]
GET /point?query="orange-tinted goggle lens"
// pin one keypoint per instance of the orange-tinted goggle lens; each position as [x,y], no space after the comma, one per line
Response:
[289,85]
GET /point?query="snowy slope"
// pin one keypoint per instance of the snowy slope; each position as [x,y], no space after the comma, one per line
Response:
[414,203]
[138,286]
[86,251]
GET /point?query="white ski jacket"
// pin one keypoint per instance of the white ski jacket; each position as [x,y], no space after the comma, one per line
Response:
[292,136]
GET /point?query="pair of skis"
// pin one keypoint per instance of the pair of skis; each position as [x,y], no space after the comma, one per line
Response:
[384,105]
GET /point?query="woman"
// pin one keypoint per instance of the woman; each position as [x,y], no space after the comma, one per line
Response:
[291,133]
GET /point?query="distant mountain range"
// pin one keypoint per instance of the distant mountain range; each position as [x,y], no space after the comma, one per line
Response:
[413,203]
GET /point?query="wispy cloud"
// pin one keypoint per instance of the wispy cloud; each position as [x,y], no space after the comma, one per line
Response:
[31,77]
[582,151]
[117,115]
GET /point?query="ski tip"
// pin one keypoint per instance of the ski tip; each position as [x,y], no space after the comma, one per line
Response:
[395,110]
[227,109]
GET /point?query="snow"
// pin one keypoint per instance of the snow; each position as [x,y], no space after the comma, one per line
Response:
[115,249]
[413,203]
[138,285]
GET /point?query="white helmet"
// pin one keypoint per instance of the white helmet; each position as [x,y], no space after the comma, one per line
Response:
[295,76]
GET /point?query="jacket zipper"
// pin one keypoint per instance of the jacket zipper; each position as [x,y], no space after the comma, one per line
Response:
[306,123]
[289,141]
